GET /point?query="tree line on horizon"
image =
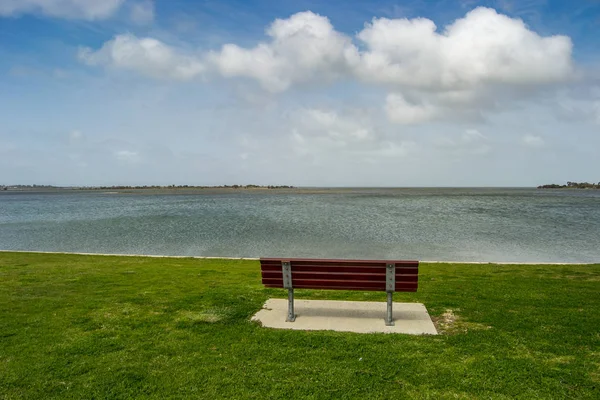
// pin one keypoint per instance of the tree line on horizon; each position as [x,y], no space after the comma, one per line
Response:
[117,187]
[190,187]
[572,185]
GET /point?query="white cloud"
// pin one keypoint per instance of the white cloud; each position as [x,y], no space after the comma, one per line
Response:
[483,47]
[145,55]
[334,125]
[127,156]
[71,9]
[323,135]
[415,106]
[472,136]
[477,64]
[470,142]
[391,150]
[533,141]
[401,111]
[317,131]
[303,47]
[142,12]
[191,139]
[578,105]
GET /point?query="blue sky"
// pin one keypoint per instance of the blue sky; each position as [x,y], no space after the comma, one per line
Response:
[307,93]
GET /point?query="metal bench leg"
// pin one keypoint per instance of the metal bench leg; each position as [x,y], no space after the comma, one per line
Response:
[291,317]
[389,321]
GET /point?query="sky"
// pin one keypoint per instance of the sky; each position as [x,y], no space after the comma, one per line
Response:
[304,93]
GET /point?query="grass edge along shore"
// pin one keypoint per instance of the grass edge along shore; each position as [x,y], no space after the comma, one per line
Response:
[90,326]
[257,258]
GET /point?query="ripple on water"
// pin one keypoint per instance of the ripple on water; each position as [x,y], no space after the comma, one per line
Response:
[446,224]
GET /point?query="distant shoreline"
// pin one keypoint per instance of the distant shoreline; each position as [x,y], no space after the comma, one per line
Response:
[270,188]
[262,190]
[138,187]
[210,190]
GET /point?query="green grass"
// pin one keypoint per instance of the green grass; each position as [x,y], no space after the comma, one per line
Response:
[97,327]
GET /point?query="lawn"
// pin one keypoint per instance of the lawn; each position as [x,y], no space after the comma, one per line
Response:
[86,327]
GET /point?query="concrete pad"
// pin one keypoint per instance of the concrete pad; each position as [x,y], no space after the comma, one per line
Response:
[347,316]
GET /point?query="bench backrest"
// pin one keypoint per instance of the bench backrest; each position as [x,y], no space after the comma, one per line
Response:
[367,275]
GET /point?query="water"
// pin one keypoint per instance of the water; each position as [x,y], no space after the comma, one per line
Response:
[495,225]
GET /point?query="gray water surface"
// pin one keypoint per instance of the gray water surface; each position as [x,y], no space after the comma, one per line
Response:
[495,225]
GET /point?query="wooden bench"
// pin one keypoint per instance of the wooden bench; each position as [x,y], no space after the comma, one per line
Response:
[365,275]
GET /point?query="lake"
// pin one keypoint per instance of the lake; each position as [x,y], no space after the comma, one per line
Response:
[479,224]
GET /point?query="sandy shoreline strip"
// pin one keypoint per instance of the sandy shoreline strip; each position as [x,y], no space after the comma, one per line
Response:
[127,255]
[256,258]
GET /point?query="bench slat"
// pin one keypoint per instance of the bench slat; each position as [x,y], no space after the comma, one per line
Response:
[399,274]
[307,261]
[337,276]
[327,275]
[363,285]
[399,288]
[340,269]
[317,268]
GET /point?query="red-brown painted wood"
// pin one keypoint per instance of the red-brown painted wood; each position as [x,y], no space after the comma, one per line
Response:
[399,288]
[338,276]
[328,275]
[350,268]
[335,261]
[334,268]
[365,275]
[344,271]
